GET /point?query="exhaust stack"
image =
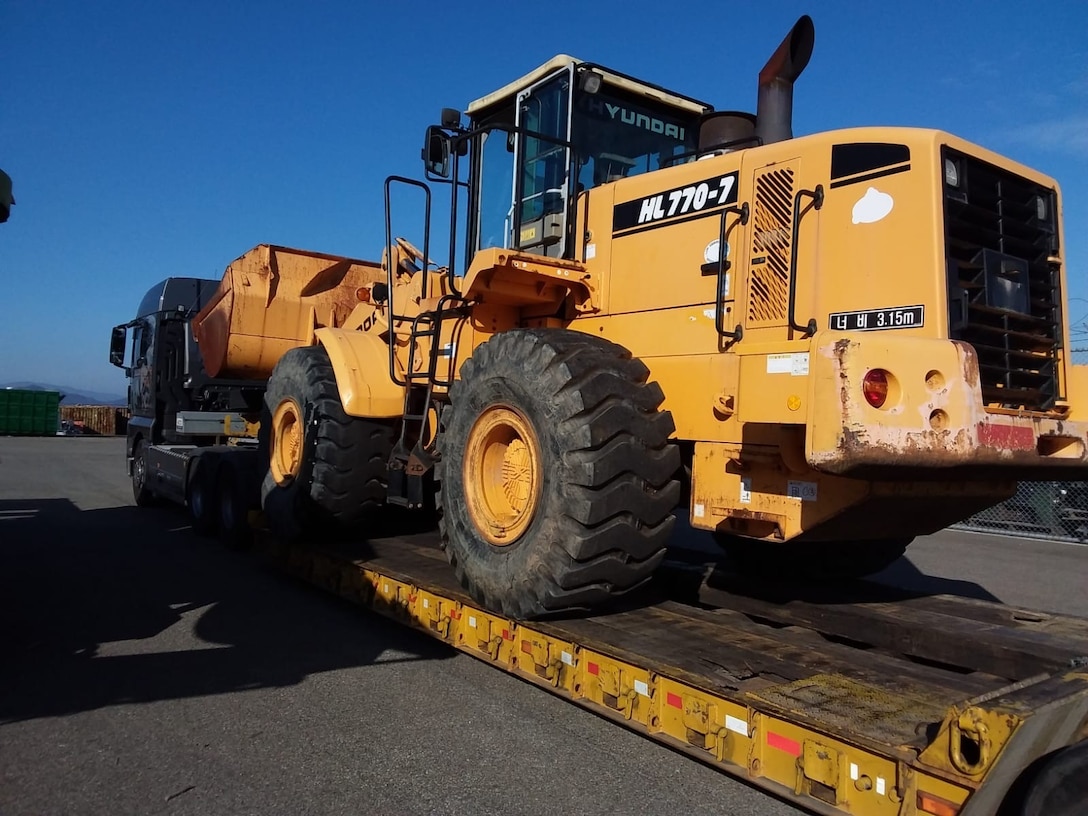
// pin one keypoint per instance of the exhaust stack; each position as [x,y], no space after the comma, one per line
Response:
[774,108]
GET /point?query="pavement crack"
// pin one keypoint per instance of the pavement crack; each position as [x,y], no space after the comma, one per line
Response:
[184,790]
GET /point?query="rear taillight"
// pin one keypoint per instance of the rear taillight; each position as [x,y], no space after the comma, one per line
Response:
[875,387]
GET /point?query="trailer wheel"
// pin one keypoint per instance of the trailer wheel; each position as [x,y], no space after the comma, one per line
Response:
[202,494]
[1056,784]
[557,476]
[812,560]
[141,493]
[325,468]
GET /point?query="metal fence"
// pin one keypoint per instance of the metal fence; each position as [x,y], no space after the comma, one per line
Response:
[1039,509]
[1043,509]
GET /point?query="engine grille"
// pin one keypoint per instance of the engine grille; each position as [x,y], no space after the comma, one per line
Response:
[1003,292]
[769,280]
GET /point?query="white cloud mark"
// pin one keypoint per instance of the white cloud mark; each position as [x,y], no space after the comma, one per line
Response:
[872,207]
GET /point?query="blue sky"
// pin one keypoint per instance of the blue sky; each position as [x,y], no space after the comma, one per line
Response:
[148,139]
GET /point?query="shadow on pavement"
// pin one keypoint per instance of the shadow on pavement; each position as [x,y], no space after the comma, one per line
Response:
[127,605]
[899,582]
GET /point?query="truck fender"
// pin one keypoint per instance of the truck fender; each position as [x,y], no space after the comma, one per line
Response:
[361,365]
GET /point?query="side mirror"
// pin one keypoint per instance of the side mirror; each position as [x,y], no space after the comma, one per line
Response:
[117,346]
[436,152]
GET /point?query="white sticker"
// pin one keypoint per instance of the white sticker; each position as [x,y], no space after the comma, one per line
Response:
[472,621]
[872,207]
[853,772]
[591,251]
[699,510]
[881,785]
[567,658]
[795,364]
[746,490]
[709,313]
[385,587]
[805,491]
[736,724]
[779,363]
[426,604]
[642,688]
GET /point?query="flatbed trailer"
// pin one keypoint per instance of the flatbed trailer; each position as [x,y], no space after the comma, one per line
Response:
[863,700]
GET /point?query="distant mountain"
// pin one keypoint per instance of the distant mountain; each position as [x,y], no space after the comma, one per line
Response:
[71,396]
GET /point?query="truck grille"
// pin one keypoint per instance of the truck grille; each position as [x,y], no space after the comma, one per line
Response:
[1003,292]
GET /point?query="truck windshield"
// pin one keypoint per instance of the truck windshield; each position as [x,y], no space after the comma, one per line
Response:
[618,134]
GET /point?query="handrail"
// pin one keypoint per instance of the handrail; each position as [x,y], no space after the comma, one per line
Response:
[817,197]
[393,316]
[723,264]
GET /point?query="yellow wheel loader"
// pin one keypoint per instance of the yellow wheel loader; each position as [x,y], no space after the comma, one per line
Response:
[823,345]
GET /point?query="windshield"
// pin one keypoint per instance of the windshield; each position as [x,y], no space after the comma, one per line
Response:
[618,134]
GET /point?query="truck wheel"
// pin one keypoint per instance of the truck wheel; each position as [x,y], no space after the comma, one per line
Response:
[556,476]
[202,495]
[325,467]
[812,560]
[234,528]
[141,493]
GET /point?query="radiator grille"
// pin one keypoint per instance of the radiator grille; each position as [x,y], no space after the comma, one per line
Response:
[772,220]
[1003,291]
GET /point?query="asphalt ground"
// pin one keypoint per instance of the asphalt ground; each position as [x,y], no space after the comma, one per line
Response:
[145,670]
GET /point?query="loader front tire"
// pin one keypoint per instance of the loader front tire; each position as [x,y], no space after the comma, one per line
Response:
[327,470]
[557,477]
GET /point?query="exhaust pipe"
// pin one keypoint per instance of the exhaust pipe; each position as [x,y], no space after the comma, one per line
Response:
[774,108]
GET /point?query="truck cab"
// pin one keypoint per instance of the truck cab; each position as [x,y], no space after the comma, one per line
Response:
[166,372]
[174,402]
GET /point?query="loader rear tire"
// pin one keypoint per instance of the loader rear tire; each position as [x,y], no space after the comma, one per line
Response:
[327,470]
[557,475]
[812,561]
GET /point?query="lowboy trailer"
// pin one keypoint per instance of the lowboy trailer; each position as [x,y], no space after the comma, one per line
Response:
[870,701]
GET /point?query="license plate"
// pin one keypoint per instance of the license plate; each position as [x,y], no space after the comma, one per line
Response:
[897,317]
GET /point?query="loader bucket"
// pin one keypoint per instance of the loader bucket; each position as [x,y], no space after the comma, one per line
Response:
[271,300]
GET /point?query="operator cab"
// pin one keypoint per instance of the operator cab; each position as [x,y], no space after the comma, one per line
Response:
[537,143]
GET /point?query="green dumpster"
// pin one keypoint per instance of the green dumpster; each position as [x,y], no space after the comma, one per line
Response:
[28,413]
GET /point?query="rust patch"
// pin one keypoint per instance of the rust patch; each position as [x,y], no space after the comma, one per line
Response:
[841,347]
[970,363]
[853,439]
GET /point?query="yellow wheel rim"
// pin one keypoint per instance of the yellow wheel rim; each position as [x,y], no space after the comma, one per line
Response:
[287,436]
[501,474]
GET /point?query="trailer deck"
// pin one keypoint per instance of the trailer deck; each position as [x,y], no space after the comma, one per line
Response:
[863,699]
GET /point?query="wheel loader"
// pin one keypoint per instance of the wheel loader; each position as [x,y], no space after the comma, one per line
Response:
[820,347]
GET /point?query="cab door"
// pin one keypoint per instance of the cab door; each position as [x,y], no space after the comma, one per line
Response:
[542,183]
